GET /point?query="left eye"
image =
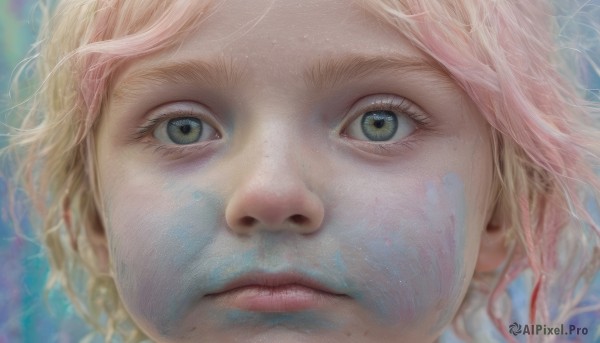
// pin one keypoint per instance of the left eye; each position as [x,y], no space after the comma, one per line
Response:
[381,126]
[183,131]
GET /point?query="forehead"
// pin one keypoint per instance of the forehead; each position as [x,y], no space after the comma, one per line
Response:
[289,30]
[314,43]
[272,22]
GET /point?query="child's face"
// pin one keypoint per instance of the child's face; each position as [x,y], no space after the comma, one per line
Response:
[311,145]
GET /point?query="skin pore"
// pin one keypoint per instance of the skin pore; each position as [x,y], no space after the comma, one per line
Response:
[301,138]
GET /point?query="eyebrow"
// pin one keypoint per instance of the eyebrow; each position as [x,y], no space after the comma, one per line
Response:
[326,73]
[217,73]
[331,72]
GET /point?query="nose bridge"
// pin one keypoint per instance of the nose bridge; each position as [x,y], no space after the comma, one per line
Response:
[273,191]
[272,145]
[278,159]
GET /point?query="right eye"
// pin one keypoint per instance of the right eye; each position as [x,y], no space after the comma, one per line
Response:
[184,131]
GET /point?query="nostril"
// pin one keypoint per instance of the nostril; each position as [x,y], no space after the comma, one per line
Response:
[299,219]
[247,221]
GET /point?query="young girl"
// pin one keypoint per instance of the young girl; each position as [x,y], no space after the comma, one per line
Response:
[313,171]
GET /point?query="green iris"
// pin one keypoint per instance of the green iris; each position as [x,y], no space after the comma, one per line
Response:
[379,125]
[184,130]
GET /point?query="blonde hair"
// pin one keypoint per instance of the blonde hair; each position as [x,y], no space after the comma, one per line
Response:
[501,53]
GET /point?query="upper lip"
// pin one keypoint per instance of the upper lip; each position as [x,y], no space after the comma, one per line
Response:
[262,279]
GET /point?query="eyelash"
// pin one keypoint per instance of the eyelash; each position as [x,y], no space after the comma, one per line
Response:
[168,150]
[393,104]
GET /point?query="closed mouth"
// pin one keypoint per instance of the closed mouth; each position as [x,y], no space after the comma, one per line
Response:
[279,292]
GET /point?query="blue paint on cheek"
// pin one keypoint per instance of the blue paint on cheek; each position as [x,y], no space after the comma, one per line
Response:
[408,272]
[454,192]
[197,195]
[386,258]
[194,228]
[190,232]
[339,263]
[305,321]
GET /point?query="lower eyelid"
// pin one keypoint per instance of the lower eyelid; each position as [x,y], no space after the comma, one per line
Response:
[386,149]
[176,152]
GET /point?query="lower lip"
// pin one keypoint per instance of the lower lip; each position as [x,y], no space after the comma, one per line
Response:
[285,298]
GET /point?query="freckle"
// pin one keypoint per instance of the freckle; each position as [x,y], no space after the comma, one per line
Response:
[366,333]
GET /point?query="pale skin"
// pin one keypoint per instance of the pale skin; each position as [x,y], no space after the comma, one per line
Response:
[286,177]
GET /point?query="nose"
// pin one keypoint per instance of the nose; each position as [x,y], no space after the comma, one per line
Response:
[273,195]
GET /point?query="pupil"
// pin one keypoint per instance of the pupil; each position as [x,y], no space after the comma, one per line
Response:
[379,123]
[185,129]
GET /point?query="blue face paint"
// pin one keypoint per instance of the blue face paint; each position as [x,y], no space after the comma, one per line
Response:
[305,322]
[408,260]
[399,264]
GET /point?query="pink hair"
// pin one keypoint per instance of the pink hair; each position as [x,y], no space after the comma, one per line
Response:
[502,55]
[113,41]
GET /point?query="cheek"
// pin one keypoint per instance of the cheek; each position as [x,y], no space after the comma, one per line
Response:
[411,253]
[402,259]
[153,241]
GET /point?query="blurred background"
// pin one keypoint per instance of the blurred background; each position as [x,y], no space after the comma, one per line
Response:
[24,316]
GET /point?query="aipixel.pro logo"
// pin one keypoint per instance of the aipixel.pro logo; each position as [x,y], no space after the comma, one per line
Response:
[539,329]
